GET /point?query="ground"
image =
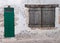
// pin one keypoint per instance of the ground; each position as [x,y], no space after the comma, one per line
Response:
[34,36]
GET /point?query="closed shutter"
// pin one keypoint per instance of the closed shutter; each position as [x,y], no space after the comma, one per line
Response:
[31,18]
[48,17]
[44,17]
[38,17]
[35,16]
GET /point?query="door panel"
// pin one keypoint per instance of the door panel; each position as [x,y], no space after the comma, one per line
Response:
[9,22]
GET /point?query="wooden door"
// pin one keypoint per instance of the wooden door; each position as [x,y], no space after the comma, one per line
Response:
[9,22]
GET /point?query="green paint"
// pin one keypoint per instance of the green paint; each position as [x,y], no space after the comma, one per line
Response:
[9,22]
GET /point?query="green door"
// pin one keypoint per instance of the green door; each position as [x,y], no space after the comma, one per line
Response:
[9,22]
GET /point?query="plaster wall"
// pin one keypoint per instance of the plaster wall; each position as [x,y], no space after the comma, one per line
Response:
[22,17]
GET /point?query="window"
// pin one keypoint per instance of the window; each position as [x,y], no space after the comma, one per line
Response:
[41,15]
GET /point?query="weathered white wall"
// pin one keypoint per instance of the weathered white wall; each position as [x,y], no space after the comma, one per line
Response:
[57,17]
[21,15]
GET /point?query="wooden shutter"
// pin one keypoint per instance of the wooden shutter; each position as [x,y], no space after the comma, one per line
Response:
[38,16]
[48,17]
[31,18]
[42,17]
[35,16]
